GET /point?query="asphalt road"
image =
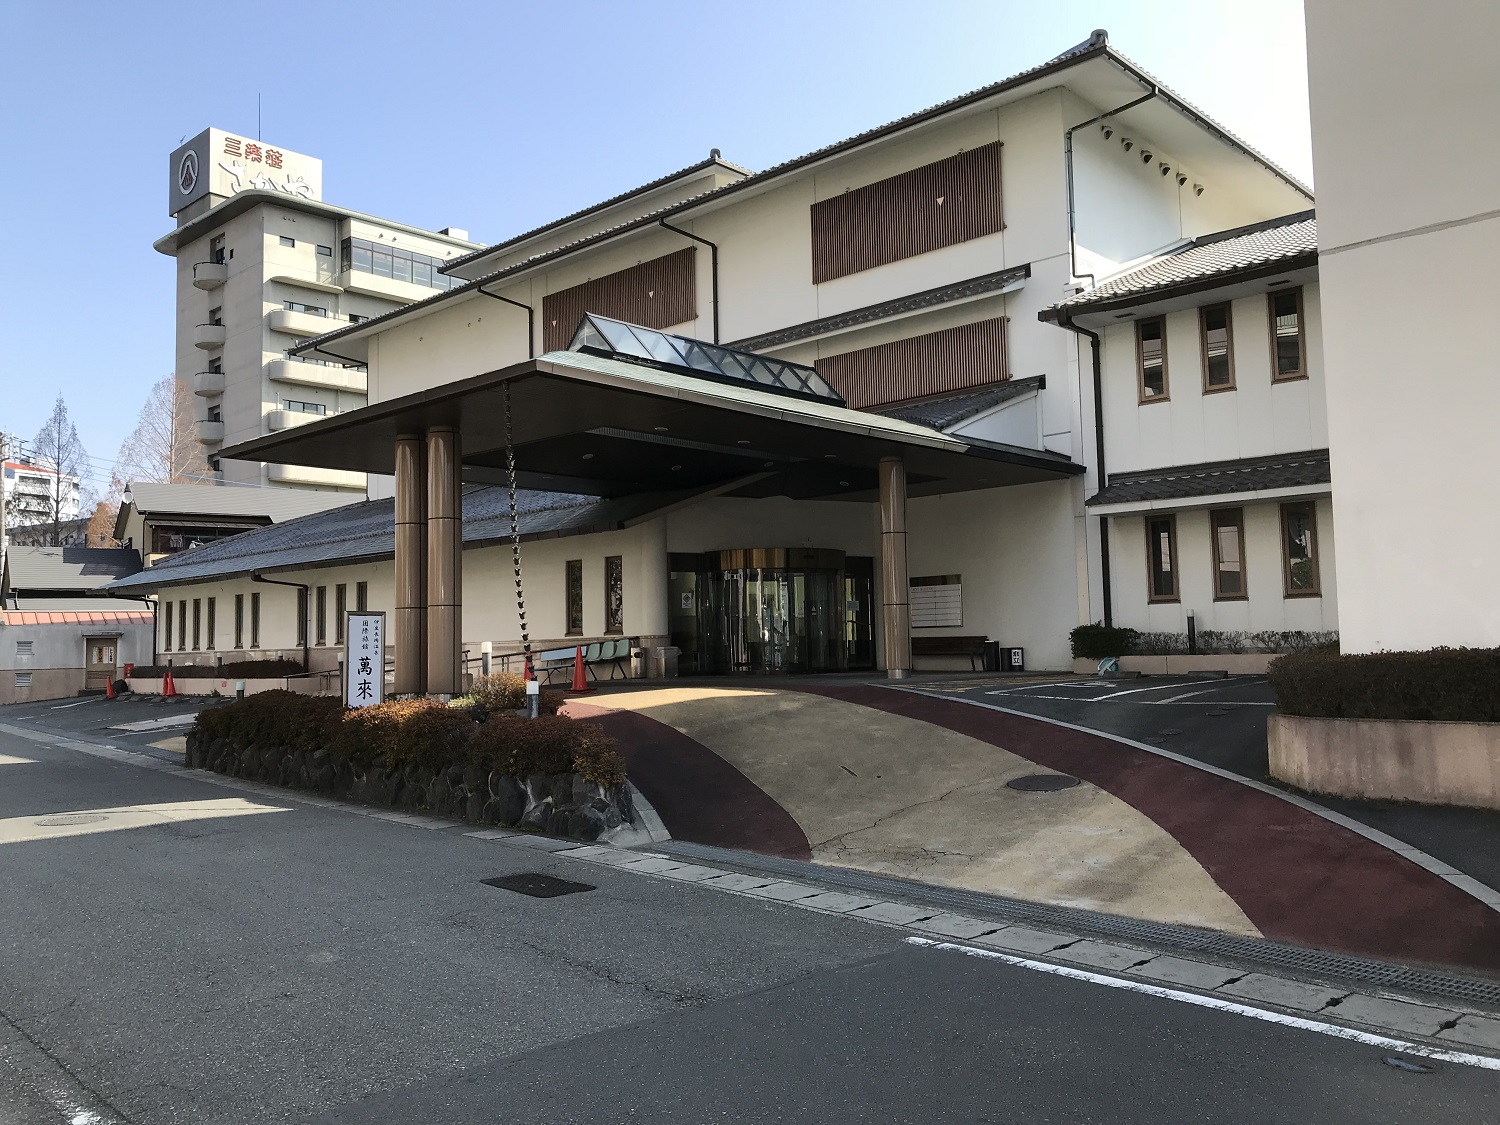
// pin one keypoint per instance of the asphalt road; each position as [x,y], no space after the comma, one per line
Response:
[308,964]
[1223,722]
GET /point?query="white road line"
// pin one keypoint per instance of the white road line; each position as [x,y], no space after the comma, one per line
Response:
[1334,1030]
[1159,687]
[1177,698]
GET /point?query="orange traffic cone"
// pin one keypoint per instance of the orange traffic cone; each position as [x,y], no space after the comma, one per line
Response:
[168,685]
[109,687]
[580,680]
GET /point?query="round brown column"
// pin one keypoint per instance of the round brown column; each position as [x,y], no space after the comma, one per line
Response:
[895,586]
[444,553]
[409,613]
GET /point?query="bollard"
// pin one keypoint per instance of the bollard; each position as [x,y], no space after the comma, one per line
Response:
[1192,634]
[533,699]
[485,651]
[239,689]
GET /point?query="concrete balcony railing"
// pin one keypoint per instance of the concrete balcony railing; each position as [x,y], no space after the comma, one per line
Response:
[317,375]
[321,478]
[207,383]
[209,336]
[210,432]
[286,419]
[301,323]
[210,275]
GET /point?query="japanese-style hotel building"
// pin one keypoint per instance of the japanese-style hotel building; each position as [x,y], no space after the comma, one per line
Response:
[1044,354]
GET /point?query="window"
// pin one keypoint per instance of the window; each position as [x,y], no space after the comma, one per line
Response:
[213,606]
[216,315]
[301,307]
[239,621]
[302,608]
[321,602]
[304,407]
[325,251]
[1228,526]
[285,241]
[387,261]
[937,601]
[182,625]
[361,596]
[340,607]
[1161,557]
[1288,339]
[166,633]
[1218,348]
[255,620]
[356,318]
[216,413]
[216,365]
[575,596]
[216,249]
[614,594]
[1299,550]
[197,624]
[1151,340]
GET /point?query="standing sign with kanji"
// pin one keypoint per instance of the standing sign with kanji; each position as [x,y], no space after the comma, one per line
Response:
[364,660]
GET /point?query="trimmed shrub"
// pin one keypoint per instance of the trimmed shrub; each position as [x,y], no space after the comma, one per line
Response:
[1460,685]
[231,670]
[506,691]
[551,745]
[283,719]
[1099,641]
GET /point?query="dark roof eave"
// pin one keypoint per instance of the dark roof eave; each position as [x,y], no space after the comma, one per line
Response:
[1064,315]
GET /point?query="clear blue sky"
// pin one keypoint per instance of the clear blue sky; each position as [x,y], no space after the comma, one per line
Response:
[491,116]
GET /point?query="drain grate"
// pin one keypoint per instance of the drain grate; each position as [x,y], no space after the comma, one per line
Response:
[1042,782]
[1217,711]
[537,885]
[1208,943]
[71,818]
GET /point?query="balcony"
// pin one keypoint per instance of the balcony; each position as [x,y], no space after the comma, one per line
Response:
[318,375]
[210,432]
[206,383]
[322,478]
[301,323]
[210,275]
[209,336]
[286,419]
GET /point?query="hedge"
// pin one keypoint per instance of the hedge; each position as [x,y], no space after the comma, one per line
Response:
[232,670]
[1460,685]
[1099,641]
[418,733]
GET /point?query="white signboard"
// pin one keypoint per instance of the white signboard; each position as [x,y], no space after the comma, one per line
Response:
[935,607]
[364,659]
[224,164]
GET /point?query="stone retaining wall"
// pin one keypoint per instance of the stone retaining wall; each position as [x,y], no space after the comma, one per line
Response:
[1388,759]
[564,804]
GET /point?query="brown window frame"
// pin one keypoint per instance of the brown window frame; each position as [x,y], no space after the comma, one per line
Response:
[1301,372]
[239,621]
[1316,591]
[361,597]
[573,584]
[1140,363]
[1170,518]
[614,615]
[1203,312]
[255,619]
[211,623]
[340,608]
[320,602]
[1213,532]
[166,643]
[182,624]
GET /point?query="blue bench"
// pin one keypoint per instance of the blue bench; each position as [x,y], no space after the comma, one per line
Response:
[556,660]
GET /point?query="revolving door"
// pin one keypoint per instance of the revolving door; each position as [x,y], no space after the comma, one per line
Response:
[772,610]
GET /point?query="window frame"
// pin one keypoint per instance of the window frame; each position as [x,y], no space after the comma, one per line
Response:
[197,624]
[361,597]
[239,621]
[320,601]
[1152,597]
[573,583]
[182,623]
[1316,591]
[210,622]
[1213,532]
[166,644]
[1203,311]
[1301,372]
[1142,398]
[304,611]
[340,608]
[288,240]
[255,619]
[614,571]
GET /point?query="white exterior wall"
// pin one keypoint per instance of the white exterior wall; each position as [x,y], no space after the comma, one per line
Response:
[1404,112]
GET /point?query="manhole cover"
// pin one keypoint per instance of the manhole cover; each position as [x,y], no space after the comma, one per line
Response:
[1170,730]
[1217,711]
[71,818]
[537,885]
[1042,782]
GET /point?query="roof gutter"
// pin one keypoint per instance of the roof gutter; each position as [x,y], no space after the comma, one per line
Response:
[713,250]
[530,318]
[1072,199]
[302,611]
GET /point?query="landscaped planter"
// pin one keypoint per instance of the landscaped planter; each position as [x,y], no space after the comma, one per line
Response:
[1234,663]
[1430,763]
[565,804]
[193,685]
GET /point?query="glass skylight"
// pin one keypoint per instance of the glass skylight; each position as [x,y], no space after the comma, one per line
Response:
[614,339]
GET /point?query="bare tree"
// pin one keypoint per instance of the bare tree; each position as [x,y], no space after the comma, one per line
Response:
[163,447]
[58,447]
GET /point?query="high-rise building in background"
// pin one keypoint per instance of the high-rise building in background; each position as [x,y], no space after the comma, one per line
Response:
[264,264]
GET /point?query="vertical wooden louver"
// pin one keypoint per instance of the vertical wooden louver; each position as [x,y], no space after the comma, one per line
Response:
[936,205]
[656,294]
[954,359]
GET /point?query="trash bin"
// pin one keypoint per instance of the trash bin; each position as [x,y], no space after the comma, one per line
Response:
[637,664]
[991,659]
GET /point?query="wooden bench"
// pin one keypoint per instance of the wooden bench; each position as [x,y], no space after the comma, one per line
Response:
[971,647]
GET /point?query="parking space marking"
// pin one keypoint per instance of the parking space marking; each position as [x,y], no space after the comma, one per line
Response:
[1178,698]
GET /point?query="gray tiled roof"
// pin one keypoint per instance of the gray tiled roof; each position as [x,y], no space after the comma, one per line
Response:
[1219,255]
[1216,478]
[363,531]
[67,568]
[950,410]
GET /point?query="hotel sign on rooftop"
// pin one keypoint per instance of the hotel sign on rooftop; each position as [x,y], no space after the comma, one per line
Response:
[216,163]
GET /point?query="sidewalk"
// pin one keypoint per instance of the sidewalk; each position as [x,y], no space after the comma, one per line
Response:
[867,777]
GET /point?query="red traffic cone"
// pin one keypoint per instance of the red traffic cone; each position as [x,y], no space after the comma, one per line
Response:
[580,680]
[109,687]
[168,686]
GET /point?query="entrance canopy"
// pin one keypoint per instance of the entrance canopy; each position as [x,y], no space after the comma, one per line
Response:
[613,421]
